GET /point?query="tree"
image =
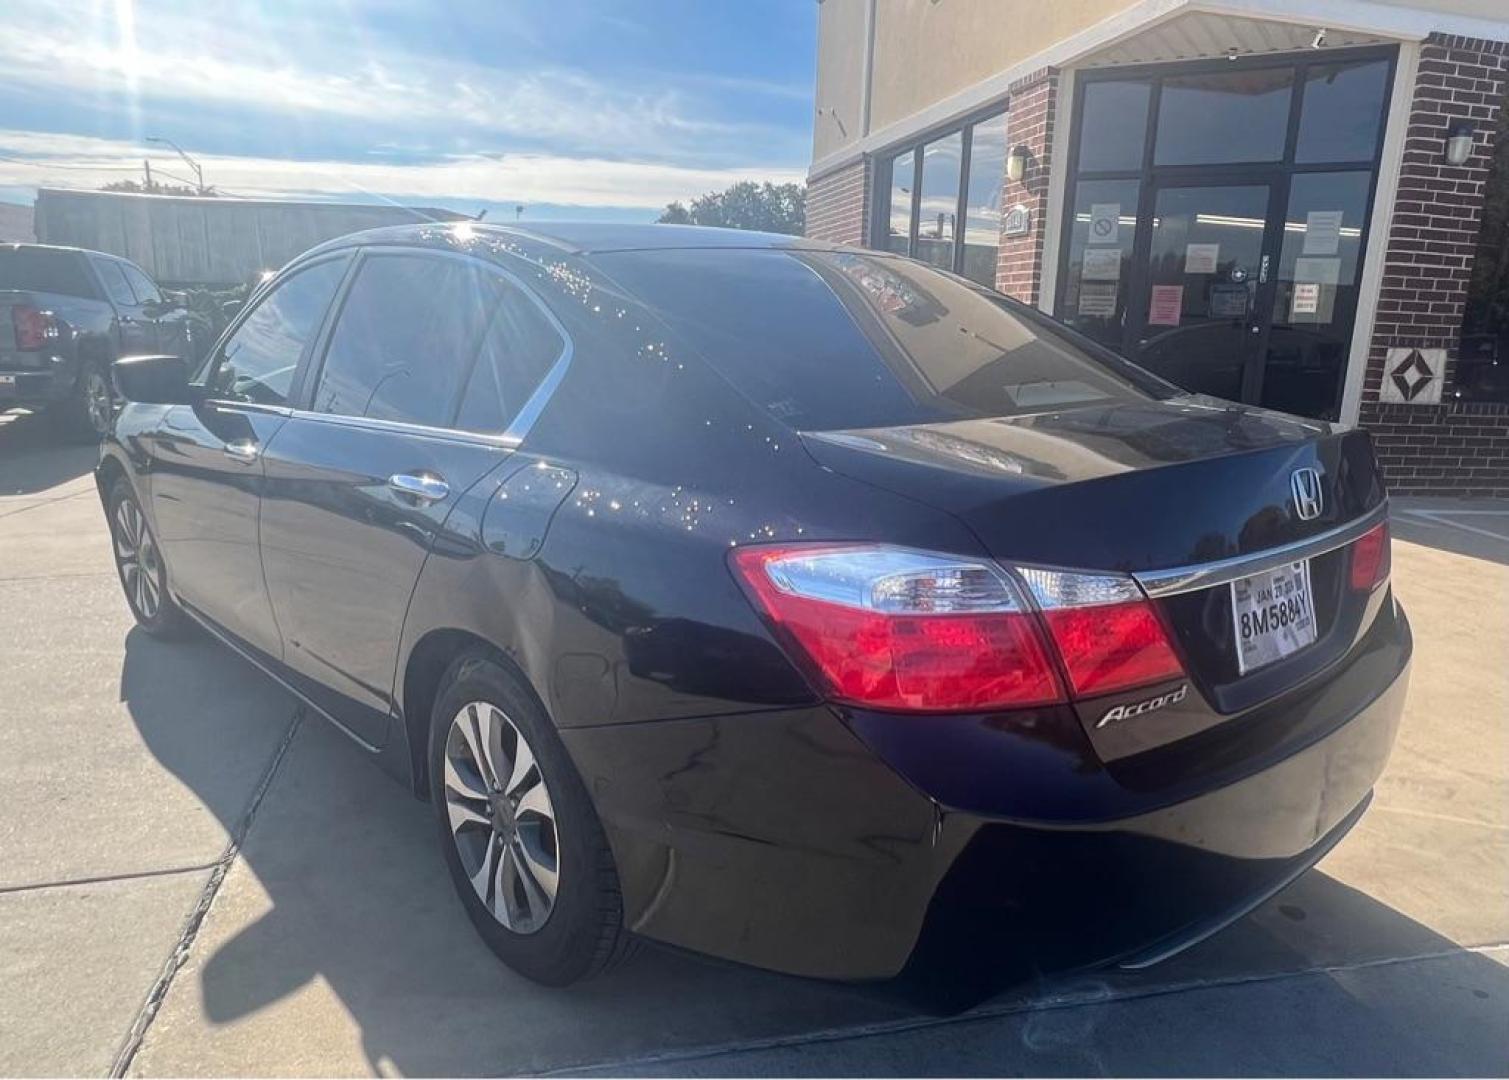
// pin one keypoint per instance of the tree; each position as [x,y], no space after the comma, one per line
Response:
[154,188]
[768,207]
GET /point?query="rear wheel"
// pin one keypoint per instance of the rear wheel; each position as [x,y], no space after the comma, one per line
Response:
[87,412]
[523,844]
[138,560]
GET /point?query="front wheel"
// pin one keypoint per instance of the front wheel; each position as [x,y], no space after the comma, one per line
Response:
[138,561]
[521,840]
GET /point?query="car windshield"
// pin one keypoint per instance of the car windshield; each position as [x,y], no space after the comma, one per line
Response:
[833,340]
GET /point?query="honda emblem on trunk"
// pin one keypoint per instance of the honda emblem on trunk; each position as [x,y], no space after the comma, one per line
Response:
[1305,484]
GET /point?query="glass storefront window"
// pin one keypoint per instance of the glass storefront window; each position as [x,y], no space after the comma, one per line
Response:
[1104,224]
[982,201]
[1226,117]
[1316,296]
[938,210]
[1342,112]
[899,230]
[1113,125]
[935,234]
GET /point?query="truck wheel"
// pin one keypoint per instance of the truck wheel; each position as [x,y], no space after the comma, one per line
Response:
[88,412]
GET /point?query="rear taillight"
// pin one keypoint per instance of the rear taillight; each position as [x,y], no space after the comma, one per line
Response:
[1371,559]
[34,327]
[893,628]
[1106,631]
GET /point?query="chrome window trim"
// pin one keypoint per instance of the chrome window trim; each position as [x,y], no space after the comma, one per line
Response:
[511,436]
[1182,579]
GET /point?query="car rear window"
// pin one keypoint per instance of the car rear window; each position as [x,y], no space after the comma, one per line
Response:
[40,270]
[839,340]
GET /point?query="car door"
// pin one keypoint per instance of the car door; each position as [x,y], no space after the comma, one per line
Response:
[136,329]
[206,471]
[402,416]
[169,329]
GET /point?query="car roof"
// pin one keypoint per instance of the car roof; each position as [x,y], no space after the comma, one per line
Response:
[576,237]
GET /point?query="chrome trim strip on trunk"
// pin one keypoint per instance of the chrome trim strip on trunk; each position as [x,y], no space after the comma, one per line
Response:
[1183,579]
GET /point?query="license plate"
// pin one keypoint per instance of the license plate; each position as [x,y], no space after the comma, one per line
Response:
[7,380]
[1273,615]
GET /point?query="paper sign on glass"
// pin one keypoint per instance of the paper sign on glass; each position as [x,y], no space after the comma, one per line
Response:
[1322,232]
[1306,299]
[1201,258]
[1102,264]
[1105,223]
[1097,299]
[1325,271]
[1166,305]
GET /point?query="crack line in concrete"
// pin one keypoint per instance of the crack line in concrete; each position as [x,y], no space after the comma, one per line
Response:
[180,952]
[127,875]
[1049,1003]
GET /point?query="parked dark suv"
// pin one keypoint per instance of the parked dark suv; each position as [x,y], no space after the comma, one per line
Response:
[802,605]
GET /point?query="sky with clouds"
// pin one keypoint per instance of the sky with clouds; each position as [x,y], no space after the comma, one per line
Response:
[603,109]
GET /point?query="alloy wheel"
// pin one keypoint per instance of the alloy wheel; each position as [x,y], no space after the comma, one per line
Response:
[501,817]
[98,400]
[136,554]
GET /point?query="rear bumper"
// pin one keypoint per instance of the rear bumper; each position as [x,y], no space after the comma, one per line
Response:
[860,846]
[36,387]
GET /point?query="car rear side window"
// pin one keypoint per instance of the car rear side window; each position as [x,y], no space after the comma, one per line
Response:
[520,347]
[833,340]
[46,270]
[259,359]
[406,338]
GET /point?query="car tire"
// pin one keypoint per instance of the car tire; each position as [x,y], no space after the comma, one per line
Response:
[89,410]
[138,562]
[505,838]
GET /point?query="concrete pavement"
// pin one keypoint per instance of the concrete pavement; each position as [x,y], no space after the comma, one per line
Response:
[195,879]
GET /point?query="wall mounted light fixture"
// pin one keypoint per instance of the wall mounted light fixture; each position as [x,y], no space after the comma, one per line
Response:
[1016,163]
[1458,142]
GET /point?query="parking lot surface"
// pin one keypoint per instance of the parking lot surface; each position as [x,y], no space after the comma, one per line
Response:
[196,878]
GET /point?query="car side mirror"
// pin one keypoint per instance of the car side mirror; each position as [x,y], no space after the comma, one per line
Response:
[153,380]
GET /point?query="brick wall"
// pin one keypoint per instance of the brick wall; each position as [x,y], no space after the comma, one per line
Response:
[1455,447]
[838,204]
[1029,123]
[1459,449]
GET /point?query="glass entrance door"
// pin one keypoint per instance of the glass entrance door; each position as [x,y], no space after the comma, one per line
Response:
[1199,311]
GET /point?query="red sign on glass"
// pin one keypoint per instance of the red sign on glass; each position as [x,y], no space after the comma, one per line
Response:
[1166,305]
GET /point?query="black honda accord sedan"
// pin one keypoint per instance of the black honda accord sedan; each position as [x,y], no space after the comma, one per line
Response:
[796,604]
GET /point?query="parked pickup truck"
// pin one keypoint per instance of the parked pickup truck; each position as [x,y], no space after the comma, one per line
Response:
[65,314]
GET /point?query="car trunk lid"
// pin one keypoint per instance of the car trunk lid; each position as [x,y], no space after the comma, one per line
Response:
[1154,489]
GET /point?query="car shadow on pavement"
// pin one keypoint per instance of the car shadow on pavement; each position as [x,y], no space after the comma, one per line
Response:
[35,457]
[335,944]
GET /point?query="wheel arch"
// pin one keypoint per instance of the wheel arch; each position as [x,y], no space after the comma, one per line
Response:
[421,674]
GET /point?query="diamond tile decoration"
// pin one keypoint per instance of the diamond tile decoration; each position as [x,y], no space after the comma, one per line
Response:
[1413,376]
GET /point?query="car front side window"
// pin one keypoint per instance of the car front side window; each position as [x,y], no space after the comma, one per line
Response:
[258,361]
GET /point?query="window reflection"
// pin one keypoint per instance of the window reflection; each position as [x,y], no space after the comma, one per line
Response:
[1235,116]
[1113,125]
[1342,112]
[898,237]
[982,211]
[938,209]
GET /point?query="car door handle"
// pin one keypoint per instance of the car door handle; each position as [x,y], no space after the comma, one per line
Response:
[242,450]
[420,487]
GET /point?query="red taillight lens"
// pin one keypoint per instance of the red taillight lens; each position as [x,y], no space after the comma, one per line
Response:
[1112,647]
[33,327]
[1371,558]
[1107,633]
[890,628]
